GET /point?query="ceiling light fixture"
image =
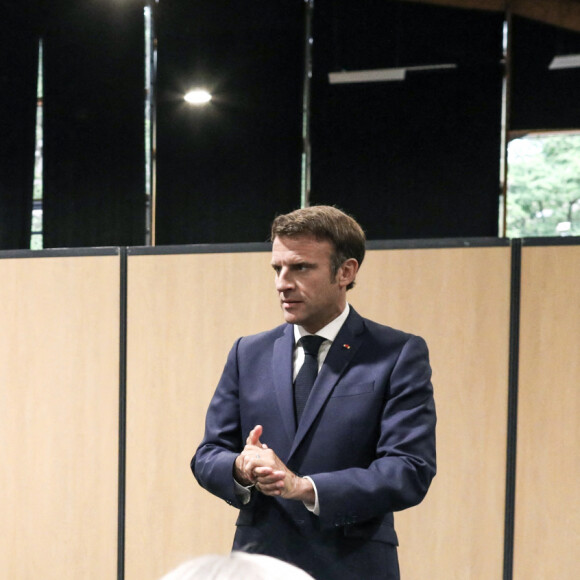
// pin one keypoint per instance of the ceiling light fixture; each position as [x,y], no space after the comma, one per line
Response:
[381,74]
[565,61]
[197,97]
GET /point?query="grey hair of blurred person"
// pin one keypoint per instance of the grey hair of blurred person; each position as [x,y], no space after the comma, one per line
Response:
[236,566]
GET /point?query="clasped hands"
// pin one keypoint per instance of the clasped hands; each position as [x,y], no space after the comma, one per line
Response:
[258,465]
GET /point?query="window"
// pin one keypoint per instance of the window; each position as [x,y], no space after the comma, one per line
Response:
[544,185]
[36,235]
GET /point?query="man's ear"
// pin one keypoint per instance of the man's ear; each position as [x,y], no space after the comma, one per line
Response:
[347,272]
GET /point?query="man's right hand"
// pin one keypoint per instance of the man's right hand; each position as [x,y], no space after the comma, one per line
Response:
[243,471]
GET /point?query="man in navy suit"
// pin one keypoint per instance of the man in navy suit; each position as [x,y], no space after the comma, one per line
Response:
[318,487]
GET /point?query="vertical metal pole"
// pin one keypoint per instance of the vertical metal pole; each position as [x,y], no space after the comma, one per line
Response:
[122,462]
[306,91]
[516,261]
[512,418]
[505,119]
[150,121]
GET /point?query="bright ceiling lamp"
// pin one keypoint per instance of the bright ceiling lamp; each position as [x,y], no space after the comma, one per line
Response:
[565,61]
[380,74]
[197,97]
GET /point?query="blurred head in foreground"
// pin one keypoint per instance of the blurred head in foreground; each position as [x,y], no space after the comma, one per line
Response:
[236,566]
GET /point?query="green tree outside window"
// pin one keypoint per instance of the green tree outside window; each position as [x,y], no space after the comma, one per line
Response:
[544,186]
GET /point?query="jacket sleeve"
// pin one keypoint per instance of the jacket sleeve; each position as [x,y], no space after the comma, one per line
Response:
[405,461]
[213,462]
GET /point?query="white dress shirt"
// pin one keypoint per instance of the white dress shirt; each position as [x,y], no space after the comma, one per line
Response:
[329,333]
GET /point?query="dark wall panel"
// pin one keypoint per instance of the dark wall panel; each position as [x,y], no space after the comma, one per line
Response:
[18,64]
[226,169]
[413,158]
[94,124]
[543,98]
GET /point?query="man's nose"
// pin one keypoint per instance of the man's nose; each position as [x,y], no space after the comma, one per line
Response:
[283,281]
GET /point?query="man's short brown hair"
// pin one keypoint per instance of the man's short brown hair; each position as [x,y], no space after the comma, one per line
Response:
[325,222]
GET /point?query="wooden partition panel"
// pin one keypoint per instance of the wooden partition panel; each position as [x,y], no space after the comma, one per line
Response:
[59,398]
[458,300]
[185,311]
[547,524]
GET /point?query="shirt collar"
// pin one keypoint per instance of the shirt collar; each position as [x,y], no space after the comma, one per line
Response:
[329,332]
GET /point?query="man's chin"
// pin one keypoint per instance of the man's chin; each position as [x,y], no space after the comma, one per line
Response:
[291,318]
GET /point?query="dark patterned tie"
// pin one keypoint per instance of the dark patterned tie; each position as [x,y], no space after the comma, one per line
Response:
[307,373]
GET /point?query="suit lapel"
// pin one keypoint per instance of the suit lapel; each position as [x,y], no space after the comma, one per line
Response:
[282,374]
[340,355]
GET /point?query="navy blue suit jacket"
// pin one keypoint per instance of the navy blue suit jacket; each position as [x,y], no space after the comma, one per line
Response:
[366,438]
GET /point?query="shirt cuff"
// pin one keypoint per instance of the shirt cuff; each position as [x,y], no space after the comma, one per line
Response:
[244,493]
[315,509]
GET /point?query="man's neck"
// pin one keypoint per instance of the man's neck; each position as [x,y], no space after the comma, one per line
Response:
[329,331]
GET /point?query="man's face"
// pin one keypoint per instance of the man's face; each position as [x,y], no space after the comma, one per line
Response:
[309,295]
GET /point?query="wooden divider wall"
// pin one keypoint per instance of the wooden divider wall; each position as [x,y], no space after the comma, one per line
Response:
[547,510]
[60,390]
[59,421]
[458,299]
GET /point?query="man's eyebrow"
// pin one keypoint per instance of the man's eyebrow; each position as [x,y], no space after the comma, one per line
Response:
[293,263]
